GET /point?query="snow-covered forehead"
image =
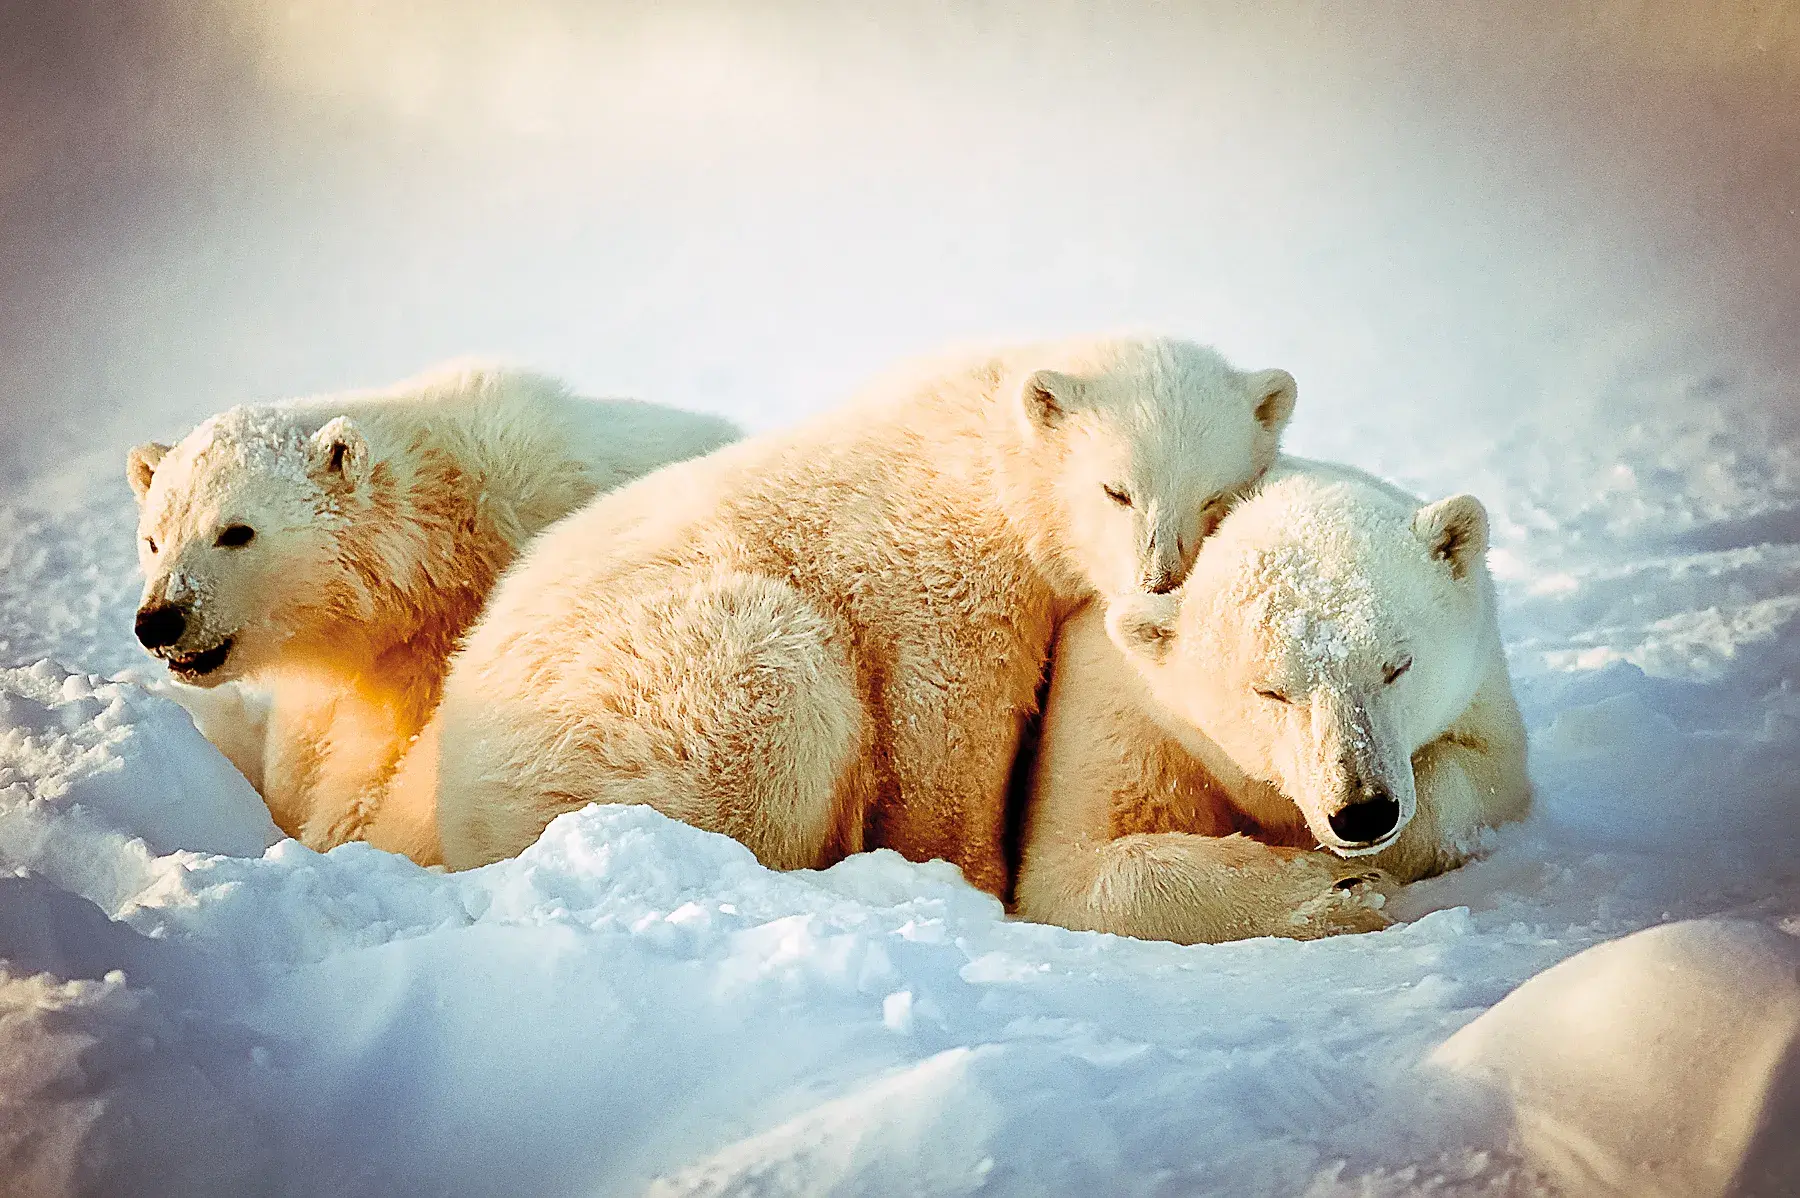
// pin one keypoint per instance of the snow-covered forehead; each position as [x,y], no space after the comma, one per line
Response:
[1318,577]
[1312,623]
[247,440]
[247,455]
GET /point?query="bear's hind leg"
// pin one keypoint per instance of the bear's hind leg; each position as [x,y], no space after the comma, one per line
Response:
[405,808]
[758,702]
[729,703]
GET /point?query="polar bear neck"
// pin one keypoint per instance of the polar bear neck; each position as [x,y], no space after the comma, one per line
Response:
[419,547]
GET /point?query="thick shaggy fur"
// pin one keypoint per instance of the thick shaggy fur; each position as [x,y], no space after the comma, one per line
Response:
[1178,796]
[826,640]
[378,522]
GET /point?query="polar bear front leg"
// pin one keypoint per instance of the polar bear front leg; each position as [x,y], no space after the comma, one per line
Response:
[1199,889]
[331,745]
[291,756]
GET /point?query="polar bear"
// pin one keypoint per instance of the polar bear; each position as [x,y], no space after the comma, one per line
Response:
[1330,675]
[826,639]
[333,550]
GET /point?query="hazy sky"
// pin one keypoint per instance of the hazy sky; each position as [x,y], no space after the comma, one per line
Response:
[748,207]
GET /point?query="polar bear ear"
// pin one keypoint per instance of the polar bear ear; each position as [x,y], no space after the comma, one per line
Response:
[1455,530]
[1144,625]
[337,454]
[140,466]
[1047,398]
[1272,396]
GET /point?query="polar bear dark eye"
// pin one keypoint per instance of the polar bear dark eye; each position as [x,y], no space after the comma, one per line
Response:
[1273,696]
[150,544]
[235,536]
[1120,497]
[1392,673]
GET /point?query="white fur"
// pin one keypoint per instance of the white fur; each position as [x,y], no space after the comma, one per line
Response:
[1318,588]
[380,520]
[825,639]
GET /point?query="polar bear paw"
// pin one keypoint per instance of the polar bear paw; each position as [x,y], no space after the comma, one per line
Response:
[1352,902]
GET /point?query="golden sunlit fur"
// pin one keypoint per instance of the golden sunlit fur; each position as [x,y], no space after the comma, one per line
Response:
[825,640]
[379,522]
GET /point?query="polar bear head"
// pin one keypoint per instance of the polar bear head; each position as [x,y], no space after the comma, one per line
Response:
[240,537]
[1328,631]
[1149,440]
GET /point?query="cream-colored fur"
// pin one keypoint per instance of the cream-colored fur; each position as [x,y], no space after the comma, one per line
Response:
[1176,797]
[826,640]
[377,523]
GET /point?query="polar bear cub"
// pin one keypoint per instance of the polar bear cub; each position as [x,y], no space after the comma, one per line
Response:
[334,550]
[825,640]
[1330,675]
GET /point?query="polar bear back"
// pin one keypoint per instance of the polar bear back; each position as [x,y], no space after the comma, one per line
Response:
[530,440]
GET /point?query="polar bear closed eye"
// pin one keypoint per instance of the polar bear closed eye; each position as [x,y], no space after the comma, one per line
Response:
[332,551]
[1138,491]
[826,639]
[1330,675]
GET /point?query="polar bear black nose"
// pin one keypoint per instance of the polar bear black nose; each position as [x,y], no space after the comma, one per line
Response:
[1367,821]
[160,626]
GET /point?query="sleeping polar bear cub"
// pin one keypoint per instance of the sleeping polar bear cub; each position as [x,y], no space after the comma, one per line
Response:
[1330,675]
[827,639]
[332,551]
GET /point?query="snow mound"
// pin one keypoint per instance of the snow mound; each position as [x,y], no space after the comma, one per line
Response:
[1666,1063]
[105,1091]
[82,757]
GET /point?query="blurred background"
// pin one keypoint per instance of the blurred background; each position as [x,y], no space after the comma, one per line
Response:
[1439,213]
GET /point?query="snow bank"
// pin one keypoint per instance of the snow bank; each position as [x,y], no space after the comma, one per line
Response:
[634,998]
[635,1003]
[1662,1065]
[99,778]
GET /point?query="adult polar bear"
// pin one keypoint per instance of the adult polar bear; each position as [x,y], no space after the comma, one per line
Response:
[825,640]
[1331,674]
[334,550]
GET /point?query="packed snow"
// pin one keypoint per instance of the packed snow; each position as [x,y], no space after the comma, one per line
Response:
[1564,278]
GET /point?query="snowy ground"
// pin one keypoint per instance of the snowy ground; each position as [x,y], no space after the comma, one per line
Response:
[1567,283]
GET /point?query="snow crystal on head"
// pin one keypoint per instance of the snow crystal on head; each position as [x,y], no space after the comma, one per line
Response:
[244,463]
[258,440]
[1320,642]
[1304,573]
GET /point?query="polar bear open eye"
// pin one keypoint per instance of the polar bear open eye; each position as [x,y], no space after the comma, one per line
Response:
[1273,696]
[1392,673]
[1118,495]
[235,536]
